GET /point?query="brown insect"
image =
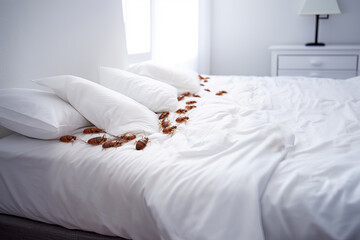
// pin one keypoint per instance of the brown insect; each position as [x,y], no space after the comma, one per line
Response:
[205,80]
[181,97]
[141,144]
[67,138]
[187,94]
[190,107]
[207,90]
[195,95]
[202,84]
[202,78]
[92,130]
[164,115]
[182,119]
[110,144]
[127,137]
[165,124]
[181,110]
[169,130]
[221,93]
[191,102]
[97,140]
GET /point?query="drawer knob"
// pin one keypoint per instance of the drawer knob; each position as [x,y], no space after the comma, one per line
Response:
[315,63]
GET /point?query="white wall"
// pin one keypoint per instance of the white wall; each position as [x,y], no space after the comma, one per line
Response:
[242,31]
[41,38]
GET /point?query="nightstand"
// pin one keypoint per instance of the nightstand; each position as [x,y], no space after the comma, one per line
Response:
[333,61]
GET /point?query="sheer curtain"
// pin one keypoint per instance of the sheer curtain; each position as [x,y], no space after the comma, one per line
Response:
[181,33]
[137,17]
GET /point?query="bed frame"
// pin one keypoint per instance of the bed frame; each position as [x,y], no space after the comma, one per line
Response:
[18,228]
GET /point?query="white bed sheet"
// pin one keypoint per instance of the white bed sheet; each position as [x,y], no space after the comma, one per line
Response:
[276,157]
[315,192]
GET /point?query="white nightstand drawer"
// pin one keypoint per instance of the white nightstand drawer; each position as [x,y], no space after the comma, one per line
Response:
[318,74]
[330,61]
[318,62]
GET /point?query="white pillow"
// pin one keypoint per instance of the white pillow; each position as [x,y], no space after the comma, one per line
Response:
[184,81]
[156,95]
[105,108]
[38,114]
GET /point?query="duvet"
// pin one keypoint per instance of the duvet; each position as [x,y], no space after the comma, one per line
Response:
[275,158]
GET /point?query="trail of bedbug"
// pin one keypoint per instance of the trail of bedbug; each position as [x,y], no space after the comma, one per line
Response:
[166,127]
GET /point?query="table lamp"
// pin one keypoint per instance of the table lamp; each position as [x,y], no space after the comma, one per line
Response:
[319,8]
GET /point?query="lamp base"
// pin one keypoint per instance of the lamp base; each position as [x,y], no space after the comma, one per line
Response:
[316,44]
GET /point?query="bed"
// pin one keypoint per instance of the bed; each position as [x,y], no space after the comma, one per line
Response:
[272,158]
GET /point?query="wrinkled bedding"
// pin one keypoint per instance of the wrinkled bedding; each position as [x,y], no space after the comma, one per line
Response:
[275,158]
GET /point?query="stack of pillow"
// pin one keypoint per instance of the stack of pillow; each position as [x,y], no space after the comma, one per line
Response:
[125,102]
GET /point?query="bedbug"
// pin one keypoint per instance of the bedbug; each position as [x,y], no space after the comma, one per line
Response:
[187,94]
[195,95]
[208,90]
[202,84]
[190,107]
[127,137]
[169,130]
[165,124]
[181,110]
[97,140]
[67,138]
[202,78]
[110,144]
[182,119]
[92,130]
[141,144]
[205,80]
[191,102]
[181,97]
[164,115]
[221,92]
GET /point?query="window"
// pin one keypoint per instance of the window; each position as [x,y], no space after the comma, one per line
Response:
[137,18]
[165,31]
[175,32]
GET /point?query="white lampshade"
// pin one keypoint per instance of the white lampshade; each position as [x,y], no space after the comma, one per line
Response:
[320,7]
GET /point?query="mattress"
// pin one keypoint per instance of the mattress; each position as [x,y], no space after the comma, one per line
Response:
[275,158]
